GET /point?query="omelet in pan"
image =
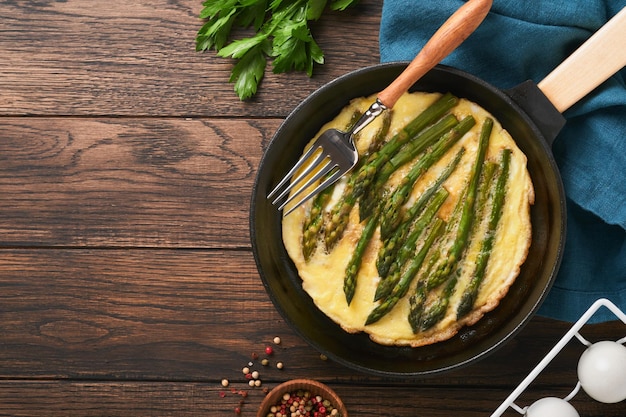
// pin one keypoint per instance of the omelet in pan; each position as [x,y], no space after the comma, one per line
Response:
[427,233]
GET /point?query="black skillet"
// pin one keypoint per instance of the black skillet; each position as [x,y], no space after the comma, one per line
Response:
[532,119]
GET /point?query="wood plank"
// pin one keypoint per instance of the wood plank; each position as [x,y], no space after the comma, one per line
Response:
[193,315]
[127,284]
[155,182]
[131,58]
[87,398]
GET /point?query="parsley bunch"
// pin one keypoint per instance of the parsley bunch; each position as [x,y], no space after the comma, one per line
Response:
[281,33]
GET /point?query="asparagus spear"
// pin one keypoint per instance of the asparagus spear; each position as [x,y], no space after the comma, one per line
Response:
[418,299]
[445,273]
[437,311]
[381,134]
[402,287]
[408,248]
[417,318]
[391,211]
[404,155]
[375,161]
[313,223]
[465,222]
[349,283]
[471,292]
[340,213]
[416,146]
[416,208]
[391,244]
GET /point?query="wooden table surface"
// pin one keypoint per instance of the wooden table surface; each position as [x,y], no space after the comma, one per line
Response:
[127,281]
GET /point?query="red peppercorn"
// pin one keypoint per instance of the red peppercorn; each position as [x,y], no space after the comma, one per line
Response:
[269,350]
[237,410]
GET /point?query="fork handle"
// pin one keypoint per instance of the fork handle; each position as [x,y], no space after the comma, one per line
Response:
[449,36]
[373,112]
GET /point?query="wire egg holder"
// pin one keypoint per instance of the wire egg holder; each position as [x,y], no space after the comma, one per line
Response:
[573,332]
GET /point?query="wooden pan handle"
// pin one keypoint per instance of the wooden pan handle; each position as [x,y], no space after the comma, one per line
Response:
[450,35]
[601,56]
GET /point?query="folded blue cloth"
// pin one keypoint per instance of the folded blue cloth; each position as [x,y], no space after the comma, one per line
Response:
[519,41]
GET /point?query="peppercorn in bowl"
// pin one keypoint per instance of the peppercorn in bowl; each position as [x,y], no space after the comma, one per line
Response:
[304,397]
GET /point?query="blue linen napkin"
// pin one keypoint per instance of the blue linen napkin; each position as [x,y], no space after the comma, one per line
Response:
[522,40]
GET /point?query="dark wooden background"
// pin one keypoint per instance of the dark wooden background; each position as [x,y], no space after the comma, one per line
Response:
[127,281]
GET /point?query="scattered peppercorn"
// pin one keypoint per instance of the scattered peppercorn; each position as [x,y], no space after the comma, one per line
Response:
[253,378]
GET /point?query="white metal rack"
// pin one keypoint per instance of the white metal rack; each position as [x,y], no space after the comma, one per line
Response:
[573,332]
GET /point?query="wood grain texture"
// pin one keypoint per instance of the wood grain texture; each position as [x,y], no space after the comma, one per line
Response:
[139,59]
[128,181]
[86,398]
[127,281]
[159,314]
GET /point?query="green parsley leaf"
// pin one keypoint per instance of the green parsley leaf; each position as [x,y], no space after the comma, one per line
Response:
[237,49]
[315,8]
[281,34]
[247,73]
[342,4]
[214,33]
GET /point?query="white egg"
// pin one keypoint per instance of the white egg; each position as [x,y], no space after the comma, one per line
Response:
[602,371]
[551,407]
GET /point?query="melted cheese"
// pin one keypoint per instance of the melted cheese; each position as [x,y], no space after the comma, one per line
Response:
[323,275]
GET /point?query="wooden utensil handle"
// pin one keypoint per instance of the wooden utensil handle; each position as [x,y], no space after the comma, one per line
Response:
[601,56]
[450,35]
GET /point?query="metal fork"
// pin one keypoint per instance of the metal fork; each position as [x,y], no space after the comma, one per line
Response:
[330,157]
[334,153]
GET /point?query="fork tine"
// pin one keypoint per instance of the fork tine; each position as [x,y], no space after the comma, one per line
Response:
[324,184]
[311,166]
[293,170]
[323,169]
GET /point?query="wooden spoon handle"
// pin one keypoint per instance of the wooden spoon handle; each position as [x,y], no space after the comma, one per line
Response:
[601,56]
[450,35]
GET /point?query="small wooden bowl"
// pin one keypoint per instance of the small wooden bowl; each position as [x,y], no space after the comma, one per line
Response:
[310,385]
